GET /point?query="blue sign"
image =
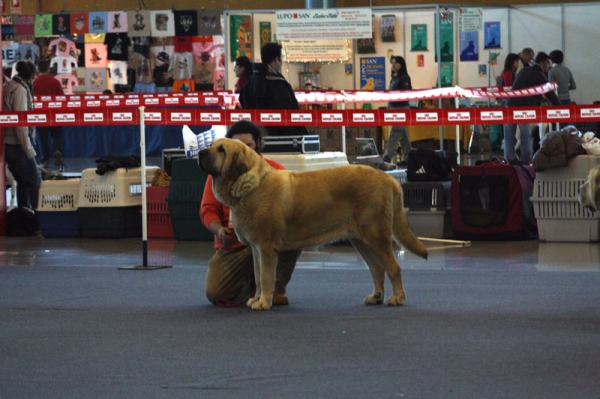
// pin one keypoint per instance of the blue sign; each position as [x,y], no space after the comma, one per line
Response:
[372,73]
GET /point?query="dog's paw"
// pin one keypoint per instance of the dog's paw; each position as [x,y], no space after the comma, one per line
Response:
[260,305]
[280,300]
[397,300]
[374,299]
[251,302]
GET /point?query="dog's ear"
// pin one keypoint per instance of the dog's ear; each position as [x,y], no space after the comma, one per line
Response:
[244,180]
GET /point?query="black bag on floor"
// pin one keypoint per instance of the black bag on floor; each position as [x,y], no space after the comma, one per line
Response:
[425,164]
[22,221]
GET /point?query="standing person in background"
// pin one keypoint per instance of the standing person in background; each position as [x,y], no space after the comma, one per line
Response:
[243,71]
[398,134]
[527,77]
[511,63]
[268,89]
[526,57]
[562,76]
[46,85]
[20,155]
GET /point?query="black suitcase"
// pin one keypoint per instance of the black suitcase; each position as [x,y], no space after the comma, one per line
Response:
[308,144]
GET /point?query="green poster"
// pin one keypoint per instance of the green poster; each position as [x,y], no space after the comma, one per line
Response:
[446,37]
[447,72]
[43,25]
[265,32]
[240,36]
[418,37]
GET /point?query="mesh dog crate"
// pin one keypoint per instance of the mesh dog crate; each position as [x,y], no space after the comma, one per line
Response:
[110,204]
[427,208]
[560,217]
[58,208]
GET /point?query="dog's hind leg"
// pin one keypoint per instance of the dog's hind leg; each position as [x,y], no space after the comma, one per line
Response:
[376,268]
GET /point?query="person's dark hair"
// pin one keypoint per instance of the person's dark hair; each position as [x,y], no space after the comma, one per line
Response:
[269,51]
[557,56]
[400,60]
[244,62]
[25,69]
[247,127]
[509,61]
[43,66]
[541,57]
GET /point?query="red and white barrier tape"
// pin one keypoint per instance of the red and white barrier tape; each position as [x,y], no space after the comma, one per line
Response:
[199,116]
[226,98]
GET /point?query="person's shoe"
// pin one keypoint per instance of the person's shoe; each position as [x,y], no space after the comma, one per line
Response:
[386,166]
[57,158]
[280,300]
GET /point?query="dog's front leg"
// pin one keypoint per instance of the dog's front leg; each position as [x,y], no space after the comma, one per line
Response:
[265,278]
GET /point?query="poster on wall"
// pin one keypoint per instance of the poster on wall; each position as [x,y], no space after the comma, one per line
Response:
[372,73]
[15,6]
[491,35]
[388,28]
[316,50]
[265,32]
[420,60]
[240,43]
[418,37]
[446,73]
[367,45]
[330,23]
[446,37]
[7,28]
[469,19]
[469,47]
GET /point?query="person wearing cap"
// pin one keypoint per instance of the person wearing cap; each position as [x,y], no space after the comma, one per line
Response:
[19,152]
[527,77]
[230,277]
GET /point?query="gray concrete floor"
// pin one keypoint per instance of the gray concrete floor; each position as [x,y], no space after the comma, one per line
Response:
[485,320]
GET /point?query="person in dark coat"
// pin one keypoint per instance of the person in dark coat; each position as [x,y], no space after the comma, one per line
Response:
[527,77]
[267,88]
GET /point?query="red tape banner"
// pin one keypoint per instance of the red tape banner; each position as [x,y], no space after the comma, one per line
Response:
[323,118]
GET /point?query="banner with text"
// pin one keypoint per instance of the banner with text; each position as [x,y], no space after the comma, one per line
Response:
[324,24]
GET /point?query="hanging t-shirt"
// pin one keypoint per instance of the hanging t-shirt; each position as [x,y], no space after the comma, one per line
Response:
[162,55]
[186,23]
[98,21]
[67,82]
[117,21]
[117,46]
[95,79]
[64,47]
[95,55]
[141,44]
[118,72]
[161,23]
[28,51]
[138,23]
[161,76]
[64,65]
[183,44]
[143,68]
[183,66]
[61,24]
[42,25]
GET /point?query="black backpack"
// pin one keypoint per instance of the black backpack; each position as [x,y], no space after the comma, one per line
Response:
[22,221]
[425,164]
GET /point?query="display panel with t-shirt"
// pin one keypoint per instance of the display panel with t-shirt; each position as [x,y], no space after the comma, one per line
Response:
[64,65]
[117,46]
[64,47]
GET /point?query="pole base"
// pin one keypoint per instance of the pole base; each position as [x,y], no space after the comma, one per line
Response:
[144,267]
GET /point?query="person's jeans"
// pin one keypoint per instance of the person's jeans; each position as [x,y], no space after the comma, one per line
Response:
[45,133]
[510,141]
[26,174]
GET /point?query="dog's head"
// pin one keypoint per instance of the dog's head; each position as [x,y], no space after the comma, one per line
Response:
[589,194]
[236,169]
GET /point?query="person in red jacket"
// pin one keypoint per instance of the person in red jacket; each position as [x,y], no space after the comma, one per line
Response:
[230,277]
[46,85]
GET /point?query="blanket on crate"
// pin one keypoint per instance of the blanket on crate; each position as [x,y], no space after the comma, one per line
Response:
[557,148]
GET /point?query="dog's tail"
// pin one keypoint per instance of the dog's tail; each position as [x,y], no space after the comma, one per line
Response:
[402,231]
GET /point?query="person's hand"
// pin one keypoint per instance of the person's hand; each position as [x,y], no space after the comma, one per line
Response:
[226,236]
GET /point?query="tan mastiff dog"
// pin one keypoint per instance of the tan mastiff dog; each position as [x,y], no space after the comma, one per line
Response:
[589,196]
[275,210]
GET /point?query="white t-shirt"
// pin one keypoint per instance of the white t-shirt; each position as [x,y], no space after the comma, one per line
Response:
[64,65]
[118,72]
[183,66]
